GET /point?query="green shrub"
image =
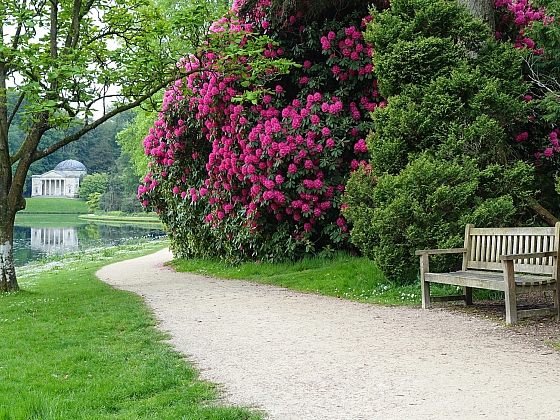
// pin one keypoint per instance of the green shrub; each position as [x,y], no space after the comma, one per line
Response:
[93,183]
[427,205]
[443,152]
[93,202]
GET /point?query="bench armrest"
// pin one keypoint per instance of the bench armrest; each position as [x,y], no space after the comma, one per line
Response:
[441,251]
[528,255]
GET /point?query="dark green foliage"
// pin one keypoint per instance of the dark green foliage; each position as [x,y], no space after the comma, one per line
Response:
[449,86]
[427,205]
[414,63]
[442,153]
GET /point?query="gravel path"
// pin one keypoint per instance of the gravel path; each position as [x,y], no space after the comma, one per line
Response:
[301,356]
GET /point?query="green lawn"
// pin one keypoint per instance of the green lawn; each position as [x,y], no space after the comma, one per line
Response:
[55,205]
[45,220]
[344,276]
[74,348]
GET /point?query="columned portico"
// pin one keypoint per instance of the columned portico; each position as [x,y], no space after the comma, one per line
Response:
[63,181]
[54,187]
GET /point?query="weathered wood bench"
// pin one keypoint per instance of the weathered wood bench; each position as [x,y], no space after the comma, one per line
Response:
[513,260]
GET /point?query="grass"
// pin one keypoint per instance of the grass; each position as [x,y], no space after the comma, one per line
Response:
[344,276]
[72,347]
[45,220]
[117,219]
[55,205]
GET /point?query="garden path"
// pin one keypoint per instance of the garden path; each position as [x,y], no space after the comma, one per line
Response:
[301,356]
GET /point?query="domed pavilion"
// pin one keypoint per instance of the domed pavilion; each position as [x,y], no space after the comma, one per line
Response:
[63,181]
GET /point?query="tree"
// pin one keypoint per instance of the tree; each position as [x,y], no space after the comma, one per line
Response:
[130,139]
[93,183]
[131,136]
[481,9]
[67,61]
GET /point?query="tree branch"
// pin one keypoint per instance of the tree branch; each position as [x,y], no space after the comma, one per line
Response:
[74,31]
[54,29]
[32,139]
[16,107]
[39,154]
[543,213]
[548,84]
[15,41]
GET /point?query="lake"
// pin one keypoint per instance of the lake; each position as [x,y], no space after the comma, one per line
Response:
[40,236]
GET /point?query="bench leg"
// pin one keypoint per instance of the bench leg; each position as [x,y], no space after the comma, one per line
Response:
[425,285]
[467,291]
[510,293]
[426,300]
[557,300]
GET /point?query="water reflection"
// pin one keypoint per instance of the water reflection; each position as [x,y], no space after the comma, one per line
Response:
[54,240]
[36,243]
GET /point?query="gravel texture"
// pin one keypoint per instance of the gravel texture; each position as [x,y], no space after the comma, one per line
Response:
[300,356]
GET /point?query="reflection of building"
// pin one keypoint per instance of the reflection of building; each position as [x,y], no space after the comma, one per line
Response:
[63,181]
[55,240]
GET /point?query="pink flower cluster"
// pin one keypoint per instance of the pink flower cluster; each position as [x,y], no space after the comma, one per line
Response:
[551,150]
[521,16]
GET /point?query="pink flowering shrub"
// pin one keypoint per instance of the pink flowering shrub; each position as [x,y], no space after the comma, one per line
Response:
[515,18]
[255,167]
[522,23]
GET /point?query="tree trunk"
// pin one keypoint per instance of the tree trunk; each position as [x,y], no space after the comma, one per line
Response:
[8,281]
[481,9]
[543,213]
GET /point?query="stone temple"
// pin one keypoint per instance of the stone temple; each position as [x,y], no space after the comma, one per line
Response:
[63,181]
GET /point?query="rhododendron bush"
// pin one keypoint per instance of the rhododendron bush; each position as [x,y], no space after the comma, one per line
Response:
[250,157]
[538,135]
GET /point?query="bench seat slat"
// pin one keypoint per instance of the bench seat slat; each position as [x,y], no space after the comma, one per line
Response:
[524,268]
[487,279]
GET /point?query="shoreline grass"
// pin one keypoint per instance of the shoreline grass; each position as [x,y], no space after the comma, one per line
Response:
[132,219]
[75,348]
[44,220]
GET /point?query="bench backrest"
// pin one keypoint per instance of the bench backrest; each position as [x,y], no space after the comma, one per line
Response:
[485,245]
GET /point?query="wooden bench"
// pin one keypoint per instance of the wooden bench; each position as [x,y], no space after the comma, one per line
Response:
[513,260]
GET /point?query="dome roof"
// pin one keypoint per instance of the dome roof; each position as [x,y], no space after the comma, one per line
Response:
[70,165]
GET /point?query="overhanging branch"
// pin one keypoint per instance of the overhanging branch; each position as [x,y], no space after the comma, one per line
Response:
[39,154]
[16,107]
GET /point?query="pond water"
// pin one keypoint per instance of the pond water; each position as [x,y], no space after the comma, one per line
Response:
[47,239]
